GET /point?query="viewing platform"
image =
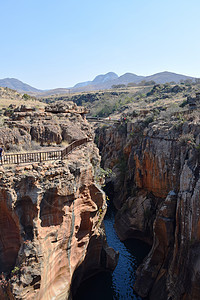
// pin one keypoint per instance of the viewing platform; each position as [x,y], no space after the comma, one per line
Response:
[40,156]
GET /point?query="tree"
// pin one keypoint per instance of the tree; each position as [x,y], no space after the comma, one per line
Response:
[118,86]
[26,97]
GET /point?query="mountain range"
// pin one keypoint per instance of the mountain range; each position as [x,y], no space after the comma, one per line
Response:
[104,81]
[15,84]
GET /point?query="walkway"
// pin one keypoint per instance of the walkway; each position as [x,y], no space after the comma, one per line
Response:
[30,157]
[103,120]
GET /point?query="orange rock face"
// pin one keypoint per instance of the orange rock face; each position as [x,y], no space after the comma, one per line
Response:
[49,226]
[149,175]
[156,188]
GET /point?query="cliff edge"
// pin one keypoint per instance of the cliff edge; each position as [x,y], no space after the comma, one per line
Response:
[156,186]
[51,212]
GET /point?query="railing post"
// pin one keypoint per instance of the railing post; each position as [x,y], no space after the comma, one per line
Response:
[39,156]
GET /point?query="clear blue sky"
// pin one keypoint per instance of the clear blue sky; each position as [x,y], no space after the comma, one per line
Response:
[57,43]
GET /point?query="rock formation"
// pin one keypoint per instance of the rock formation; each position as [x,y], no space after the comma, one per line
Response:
[52,126]
[50,218]
[156,186]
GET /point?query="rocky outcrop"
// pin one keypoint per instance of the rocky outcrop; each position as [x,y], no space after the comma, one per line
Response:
[135,217]
[156,190]
[15,136]
[58,123]
[50,217]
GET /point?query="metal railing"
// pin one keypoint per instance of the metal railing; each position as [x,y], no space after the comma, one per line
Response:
[30,157]
[73,145]
[102,120]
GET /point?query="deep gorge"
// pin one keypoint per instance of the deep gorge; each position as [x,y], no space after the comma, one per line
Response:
[52,238]
[155,178]
[119,284]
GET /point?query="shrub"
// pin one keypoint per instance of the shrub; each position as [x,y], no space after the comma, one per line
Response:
[171,110]
[101,174]
[118,86]
[198,148]
[15,270]
[105,111]
[183,104]
[148,120]
[26,97]
[186,139]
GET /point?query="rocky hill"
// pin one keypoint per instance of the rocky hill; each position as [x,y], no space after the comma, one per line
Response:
[12,97]
[7,93]
[17,85]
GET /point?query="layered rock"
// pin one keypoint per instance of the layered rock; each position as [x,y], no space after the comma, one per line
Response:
[15,136]
[58,123]
[50,217]
[156,190]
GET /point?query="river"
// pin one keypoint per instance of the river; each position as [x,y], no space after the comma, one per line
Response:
[119,284]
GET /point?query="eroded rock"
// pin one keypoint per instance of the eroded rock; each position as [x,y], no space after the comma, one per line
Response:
[156,191]
[50,218]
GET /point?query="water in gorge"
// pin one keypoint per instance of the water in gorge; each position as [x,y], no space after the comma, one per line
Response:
[119,284]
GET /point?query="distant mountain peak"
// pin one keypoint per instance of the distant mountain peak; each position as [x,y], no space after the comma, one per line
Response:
[99,79]
[105,77]
[18,85]
[100,82]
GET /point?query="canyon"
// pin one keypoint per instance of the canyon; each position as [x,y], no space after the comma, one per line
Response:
[51,212]
[155,185]
[52,236]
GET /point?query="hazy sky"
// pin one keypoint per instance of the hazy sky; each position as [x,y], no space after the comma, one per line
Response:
[57,43]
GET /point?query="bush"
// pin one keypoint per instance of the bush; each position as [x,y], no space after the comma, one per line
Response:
[26,97]
[148,120]
[106,111]
[186,139]
[15,270]
[183,104]
[198,148]
[118,86]
[101,174]
[171,110]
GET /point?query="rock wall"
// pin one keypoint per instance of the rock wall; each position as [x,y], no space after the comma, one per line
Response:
[50,219]
[156,187]
[58,124]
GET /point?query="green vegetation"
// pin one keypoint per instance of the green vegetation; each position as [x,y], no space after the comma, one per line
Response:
[132,100]
[149,119]
[105,103]
[198,149]
[15,270]
[26,97]
[11,97]
[118,86]
[101,174]
[186,139]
